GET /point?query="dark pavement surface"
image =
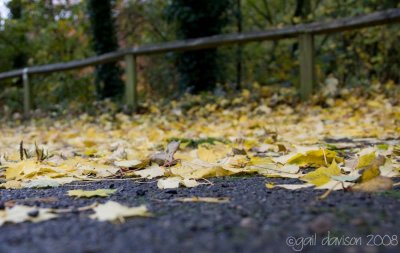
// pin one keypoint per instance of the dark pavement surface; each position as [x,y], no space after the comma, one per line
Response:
[256,219]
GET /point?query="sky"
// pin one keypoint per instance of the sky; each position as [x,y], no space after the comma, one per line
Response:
[3,8]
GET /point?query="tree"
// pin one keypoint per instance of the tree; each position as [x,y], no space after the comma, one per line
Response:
[200,69]
[108,80]
[20,58]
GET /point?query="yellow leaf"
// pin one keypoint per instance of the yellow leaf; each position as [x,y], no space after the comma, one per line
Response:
[315,158]
[16,170]
[129,163]
[372,170]
[113,211]
[90,151]
[365,160]
[11,184]
[212,153]
[260,161]
[215,171]
[322,175]
[270,185]
[89,194]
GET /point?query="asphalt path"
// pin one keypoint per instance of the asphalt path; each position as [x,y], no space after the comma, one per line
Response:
[256,219]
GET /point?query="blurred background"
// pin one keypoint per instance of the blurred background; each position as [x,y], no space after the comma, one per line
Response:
[37,32]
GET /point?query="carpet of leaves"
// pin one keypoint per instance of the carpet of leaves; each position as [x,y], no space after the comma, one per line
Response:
[345,139]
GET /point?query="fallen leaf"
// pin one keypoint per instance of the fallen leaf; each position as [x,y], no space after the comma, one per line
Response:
[212,153]
[90,194]
[322,175]
[42,183]
[167,157]
[129,163]
[169,183]
[151,172]
[11,184]
[204,199]
[377,184]
[21,213]
[113,211]
[293,186]
[315,158]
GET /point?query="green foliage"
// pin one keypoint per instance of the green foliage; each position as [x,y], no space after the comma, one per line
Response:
[45,34]
[356,57]
[108,81]
[38,33]
[199,69]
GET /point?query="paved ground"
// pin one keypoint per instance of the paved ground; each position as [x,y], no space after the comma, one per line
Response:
[256,219]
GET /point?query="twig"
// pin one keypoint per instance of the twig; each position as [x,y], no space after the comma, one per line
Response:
[326,161]
[326,194]
[12,202]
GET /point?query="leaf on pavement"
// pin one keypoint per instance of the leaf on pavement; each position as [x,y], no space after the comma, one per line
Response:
[322,175]
[90,194]
[21,213]
[169,183]
[293,186]
[376,184]
[113,211]
[42,183]
[204,199]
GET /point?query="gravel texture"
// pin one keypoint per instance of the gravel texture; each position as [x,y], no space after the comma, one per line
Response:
[256,219]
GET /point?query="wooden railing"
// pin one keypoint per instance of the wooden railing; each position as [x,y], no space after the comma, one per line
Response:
[304,32]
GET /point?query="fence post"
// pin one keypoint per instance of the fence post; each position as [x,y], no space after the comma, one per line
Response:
[27,93]
[130,86]
[307,65]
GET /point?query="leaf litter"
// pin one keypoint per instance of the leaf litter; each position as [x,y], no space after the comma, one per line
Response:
[350,143]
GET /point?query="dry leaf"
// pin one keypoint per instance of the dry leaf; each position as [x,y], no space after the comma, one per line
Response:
[90,194]
[113,211]
[20,213]
[204,199]
[150,172]
[169,183]
[377,184]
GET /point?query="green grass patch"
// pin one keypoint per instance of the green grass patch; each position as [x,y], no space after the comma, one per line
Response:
[194,143]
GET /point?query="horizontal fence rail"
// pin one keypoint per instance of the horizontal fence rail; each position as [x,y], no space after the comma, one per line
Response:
[305,33]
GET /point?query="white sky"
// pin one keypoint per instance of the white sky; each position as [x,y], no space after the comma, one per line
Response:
[3,8]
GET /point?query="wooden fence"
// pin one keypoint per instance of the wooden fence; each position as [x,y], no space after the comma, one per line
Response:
[304,32]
